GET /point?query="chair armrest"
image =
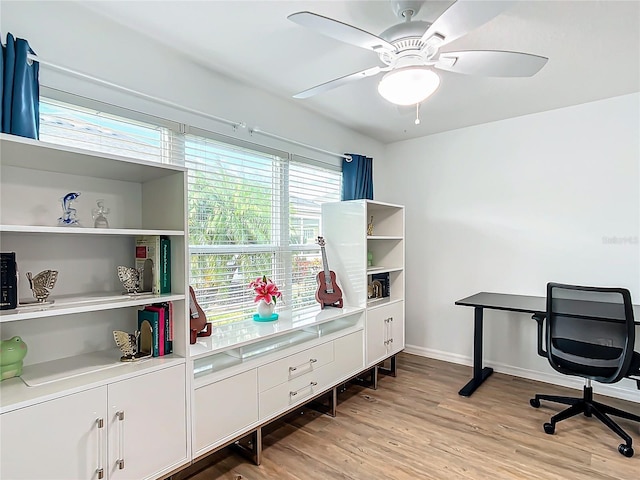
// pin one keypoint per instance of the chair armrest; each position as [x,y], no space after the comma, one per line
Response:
[538,317]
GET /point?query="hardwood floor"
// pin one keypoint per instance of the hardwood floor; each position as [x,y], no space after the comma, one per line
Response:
[416,426]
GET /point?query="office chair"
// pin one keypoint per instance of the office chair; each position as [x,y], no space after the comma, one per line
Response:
[589,333]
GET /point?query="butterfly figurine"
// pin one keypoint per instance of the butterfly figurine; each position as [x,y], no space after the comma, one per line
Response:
[130,278]
[41,283]
[128,344]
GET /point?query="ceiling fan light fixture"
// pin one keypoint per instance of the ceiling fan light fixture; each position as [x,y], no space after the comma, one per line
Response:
[409,85]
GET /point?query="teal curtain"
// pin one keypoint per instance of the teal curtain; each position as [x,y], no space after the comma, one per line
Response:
[357,177]
[19,89]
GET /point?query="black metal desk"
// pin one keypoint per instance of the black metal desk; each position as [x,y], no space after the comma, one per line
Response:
[500,301]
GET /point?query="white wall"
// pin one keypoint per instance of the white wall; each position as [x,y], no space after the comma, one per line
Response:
[507,207]
[67,34]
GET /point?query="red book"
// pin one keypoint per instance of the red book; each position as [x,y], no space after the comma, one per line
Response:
[161,327]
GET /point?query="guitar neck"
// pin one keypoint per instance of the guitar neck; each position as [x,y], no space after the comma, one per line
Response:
[327,274]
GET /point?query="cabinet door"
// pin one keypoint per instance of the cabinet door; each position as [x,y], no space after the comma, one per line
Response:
[147,424]
[385,331]
[396,329]
[376,331]
[59,439]
[223,408]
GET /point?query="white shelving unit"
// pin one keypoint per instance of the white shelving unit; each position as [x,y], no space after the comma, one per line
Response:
[348,246]
[71,350]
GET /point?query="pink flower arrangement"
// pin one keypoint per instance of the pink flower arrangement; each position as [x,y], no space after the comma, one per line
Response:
[265,290]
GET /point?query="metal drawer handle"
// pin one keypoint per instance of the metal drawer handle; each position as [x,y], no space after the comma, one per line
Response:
[120,418]
[310,362]
[293,393]
[101,433]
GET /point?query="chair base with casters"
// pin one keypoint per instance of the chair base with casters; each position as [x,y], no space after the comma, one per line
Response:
[589,407]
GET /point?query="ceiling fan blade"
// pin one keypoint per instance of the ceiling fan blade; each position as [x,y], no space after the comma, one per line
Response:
[464,16]
[340,31]
[330,85]
[490,63]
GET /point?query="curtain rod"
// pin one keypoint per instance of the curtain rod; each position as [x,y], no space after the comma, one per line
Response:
[311,147]
[235,125]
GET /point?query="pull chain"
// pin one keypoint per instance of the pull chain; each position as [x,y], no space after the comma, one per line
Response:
[417,122]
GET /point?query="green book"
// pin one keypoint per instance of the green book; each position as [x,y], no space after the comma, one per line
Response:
[154,319]
[165,265]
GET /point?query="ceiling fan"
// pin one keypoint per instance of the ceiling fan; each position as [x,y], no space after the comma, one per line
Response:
[411,50]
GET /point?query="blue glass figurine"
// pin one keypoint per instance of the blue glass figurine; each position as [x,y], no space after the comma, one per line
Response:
[68,217]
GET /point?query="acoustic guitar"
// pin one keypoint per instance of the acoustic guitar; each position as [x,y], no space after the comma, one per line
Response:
[328,293]
[198,325]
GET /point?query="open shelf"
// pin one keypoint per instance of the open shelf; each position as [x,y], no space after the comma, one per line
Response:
[248,333]
[27,153]
[41,229]
[67,305]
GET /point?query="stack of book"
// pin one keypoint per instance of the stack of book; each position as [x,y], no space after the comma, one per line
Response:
[155,323]
[153,258]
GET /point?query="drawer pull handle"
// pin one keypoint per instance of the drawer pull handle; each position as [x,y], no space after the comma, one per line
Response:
[293,393]
[310,362]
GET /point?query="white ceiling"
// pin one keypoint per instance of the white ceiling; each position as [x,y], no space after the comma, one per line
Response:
[593,49]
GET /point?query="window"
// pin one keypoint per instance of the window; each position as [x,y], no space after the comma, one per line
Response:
[91,129]
[252,210]
[253,213]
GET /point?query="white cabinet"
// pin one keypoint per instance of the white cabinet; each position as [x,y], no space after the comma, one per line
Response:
[147,424]
[239,386]
[60,439]
[108,432]
[385,332]
[361,258]
[71,350]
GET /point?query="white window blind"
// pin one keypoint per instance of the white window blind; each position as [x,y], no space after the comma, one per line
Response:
[252,214]
[93,129]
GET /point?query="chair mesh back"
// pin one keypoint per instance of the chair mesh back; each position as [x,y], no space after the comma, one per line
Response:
[589,332]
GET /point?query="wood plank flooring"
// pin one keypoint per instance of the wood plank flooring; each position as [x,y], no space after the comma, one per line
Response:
[416,426]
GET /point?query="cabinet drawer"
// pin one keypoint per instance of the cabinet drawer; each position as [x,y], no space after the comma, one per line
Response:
[296,391]
[294,366]
[224,408]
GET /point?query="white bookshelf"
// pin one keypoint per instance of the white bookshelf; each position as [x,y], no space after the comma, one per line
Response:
[348,244]
[71,350]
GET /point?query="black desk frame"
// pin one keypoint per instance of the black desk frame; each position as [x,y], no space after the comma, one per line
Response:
[505,302]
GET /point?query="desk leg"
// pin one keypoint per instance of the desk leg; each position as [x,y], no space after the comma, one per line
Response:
[479,374]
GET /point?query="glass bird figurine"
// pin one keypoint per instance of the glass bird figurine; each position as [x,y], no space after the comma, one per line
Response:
[42,283]
[99,212]
[69,214]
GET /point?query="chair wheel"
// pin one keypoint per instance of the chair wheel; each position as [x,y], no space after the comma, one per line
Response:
[625,450]
[535,403]
[550,428]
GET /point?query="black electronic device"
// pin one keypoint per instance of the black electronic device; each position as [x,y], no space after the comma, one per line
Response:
[9,281]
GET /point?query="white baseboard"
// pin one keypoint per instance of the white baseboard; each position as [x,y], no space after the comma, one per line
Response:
[612,390]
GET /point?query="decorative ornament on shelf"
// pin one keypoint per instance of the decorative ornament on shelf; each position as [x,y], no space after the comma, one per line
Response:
[130,279]
[267,294]
[12,353]
[128,345]
[370,227]
[69,218]
[98,213]
[40,285]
